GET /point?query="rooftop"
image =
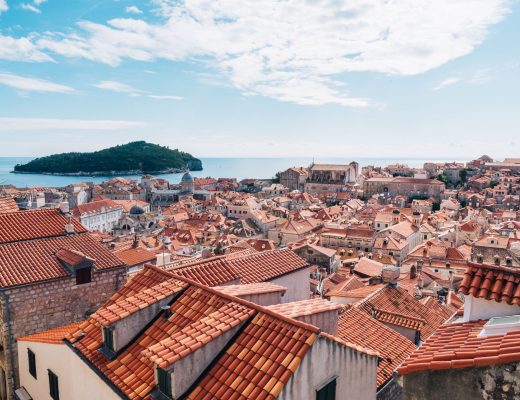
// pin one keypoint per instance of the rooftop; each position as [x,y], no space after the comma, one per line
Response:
[459,346]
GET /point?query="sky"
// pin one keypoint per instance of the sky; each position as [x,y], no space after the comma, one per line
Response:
[262,78]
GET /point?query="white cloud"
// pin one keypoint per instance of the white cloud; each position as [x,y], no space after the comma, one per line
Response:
[165,97]
[21,49]
[117,87]
[39,2]
[40,124]
[30,7]
[299,51]
[3,6]
[133,10]
[446,82]
[32,84]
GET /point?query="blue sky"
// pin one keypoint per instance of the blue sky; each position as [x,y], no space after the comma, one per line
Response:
[324,78]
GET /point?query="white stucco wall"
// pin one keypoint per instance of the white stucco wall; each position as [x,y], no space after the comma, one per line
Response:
[475,309]
[297,284]
[76,381]
[355,373]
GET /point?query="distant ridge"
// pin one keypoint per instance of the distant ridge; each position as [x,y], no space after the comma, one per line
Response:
[132,158]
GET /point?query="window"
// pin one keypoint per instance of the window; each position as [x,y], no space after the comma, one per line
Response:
[83,275]
[327,392]
[108,338]
[53,386]
[165,382]
[32,362]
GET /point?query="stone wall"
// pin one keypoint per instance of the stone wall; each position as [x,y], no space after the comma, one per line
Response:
[496,382]
[46,305]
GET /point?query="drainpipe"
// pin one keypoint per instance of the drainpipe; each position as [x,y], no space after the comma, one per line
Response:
[9,339]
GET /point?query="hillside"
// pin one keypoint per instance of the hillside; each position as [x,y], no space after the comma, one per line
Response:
[134,157]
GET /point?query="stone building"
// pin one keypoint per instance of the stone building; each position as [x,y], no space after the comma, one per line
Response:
[331,177]
[409,187]
[294,178]
[52,272]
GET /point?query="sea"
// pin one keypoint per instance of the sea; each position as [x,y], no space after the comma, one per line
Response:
[240,168]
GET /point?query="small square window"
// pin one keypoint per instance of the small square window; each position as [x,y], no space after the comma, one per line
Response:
[83,275]
[32,362]
[327,392]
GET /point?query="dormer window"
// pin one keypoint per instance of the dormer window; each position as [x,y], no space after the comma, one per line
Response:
[164,383]
[108,348]
[327,392]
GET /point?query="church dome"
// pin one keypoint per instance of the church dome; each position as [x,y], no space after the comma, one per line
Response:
[136,210]
[186,178]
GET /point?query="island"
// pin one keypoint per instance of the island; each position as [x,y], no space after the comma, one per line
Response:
[129,159]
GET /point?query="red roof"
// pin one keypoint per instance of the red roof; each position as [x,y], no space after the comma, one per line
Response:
[35,224]
[135,256]
[52,336]
[492,282]
[7,205]
[95,207]
[397,307]
[37,260]
[297,309]
[267,265]
[458,346]
[211,272]
[361,329]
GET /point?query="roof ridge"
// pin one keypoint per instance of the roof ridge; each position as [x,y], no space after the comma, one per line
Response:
[257,307]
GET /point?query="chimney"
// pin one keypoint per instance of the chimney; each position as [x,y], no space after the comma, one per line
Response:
[69,226]
[64,207]
[413,272]
[396,214]
[390,275]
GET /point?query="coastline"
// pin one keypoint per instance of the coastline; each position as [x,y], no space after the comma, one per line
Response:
[108,173]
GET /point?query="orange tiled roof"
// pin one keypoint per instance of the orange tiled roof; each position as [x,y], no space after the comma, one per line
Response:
[267,265]
[251,288]
[397,305]
[95,207]
[194,336]
[135,256]
[126,306]
[458,346]
[243,373]
[34,224]
[357,327]
[52,336]
[7,205]
[211,272]
[37,260]
[302,308]
[256,364]
[492,283]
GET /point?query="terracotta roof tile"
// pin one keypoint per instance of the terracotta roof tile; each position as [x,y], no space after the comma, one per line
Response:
[7,205]
[267,265]
[35,224]
[251,289]
[490,282]
[268,348]
[37,260]
[135,256]
[458,346]
[210,272]
[357,327]
[297,309]
[52,336]
[192,337]
[398,306]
